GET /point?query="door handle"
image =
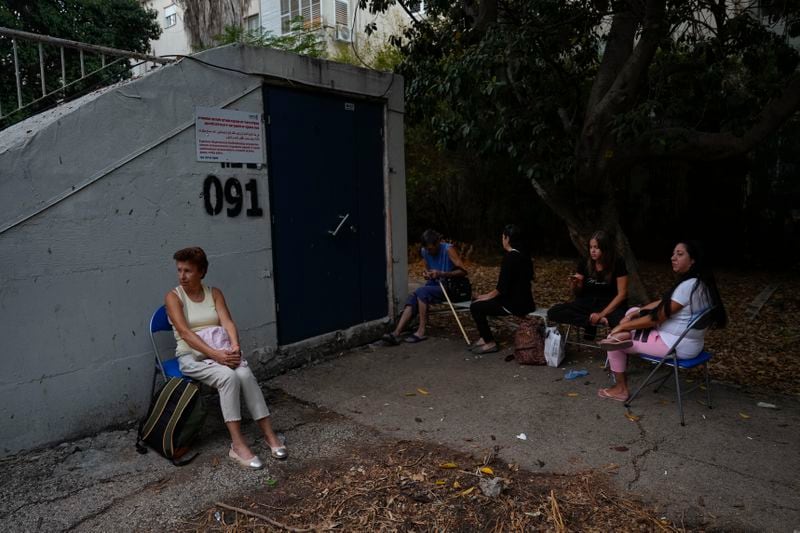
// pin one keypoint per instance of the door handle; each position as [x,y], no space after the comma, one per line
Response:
[341,223]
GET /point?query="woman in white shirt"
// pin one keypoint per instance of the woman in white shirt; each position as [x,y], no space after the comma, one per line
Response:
[653,328]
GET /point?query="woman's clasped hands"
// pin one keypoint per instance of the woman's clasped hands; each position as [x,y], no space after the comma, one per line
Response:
[230,358]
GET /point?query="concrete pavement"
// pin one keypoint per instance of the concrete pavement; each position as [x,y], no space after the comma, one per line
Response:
[723,471]
[732,467]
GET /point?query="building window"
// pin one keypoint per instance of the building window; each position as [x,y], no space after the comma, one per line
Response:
[170,16]
[307,9]
[253,23]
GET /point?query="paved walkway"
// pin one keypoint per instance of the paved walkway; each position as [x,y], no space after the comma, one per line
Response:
[723,470]
[732,467]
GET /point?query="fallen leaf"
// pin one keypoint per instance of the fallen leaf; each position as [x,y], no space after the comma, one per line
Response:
[487,470]
[632,417]
[271,482]
[439,482]
[411,394]
[448,465]
[456,484]
[744,415]
[572,394]
[420,476]
[466,492]
[423,392]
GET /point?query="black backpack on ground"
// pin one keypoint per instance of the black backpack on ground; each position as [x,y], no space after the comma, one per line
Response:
[174,419]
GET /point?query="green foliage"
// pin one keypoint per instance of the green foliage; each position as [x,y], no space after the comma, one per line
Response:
[304,39]
[469,198]
[519,89]
[498,93]
[515,95]
[344,53]
[384,57]
[387,58]
[122,24]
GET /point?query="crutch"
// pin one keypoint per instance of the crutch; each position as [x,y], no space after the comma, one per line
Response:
[453,309]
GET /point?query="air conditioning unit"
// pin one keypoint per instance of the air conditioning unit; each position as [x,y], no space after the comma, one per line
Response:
[343,33]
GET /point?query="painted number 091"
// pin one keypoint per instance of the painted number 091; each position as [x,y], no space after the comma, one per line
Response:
[233,194]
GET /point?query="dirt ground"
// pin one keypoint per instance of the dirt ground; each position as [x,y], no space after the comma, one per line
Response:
[418,486]
[762,353]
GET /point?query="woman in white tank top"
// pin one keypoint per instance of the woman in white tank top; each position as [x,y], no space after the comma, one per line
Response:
[192,307]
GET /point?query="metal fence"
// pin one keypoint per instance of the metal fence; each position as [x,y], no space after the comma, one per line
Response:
[26,78]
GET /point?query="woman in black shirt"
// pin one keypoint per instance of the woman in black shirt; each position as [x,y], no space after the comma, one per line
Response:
[512,296]
[600,286]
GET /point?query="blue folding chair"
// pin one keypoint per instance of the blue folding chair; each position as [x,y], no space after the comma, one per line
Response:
[169,368]
[701,321]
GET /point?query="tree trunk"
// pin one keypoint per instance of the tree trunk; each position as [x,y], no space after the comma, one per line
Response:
[587,214]
[206,19]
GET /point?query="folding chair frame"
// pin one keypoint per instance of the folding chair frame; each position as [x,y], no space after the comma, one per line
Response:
[160,322]
[671,359]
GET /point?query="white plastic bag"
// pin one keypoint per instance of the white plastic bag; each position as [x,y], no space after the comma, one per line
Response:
[553,347]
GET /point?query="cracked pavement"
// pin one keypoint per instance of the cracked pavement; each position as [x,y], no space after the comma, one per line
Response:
[722,470]
[102,484]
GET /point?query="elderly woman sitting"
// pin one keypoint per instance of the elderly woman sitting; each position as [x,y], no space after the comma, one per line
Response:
[213,356]
[441,261]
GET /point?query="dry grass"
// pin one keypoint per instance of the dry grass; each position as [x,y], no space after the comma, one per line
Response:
[414,486]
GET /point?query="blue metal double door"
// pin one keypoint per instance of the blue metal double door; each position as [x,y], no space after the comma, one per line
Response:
[325,156]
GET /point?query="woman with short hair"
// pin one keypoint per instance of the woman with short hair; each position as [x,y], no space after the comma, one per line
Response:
[512,294]
[193,307]
[441,262]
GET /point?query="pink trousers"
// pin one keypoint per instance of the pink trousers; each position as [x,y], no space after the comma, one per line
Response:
[646,341]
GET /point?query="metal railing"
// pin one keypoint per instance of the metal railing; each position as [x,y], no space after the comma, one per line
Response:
[62,44]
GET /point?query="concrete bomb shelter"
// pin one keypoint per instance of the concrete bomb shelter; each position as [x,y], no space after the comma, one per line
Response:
[307,239]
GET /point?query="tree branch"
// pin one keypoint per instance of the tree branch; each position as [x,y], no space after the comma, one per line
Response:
[618,49]
[692,144]
[560,208]
[627,81]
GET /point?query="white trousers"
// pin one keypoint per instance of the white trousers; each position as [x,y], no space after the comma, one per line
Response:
[231,384]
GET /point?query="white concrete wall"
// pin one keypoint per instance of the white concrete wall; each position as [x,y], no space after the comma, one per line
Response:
[173,40]
[79,280]
[392,22]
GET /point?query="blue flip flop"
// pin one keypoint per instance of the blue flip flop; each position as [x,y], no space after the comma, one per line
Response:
[413,339]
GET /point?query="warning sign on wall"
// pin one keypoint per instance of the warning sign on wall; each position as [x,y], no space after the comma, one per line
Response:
[227,136]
